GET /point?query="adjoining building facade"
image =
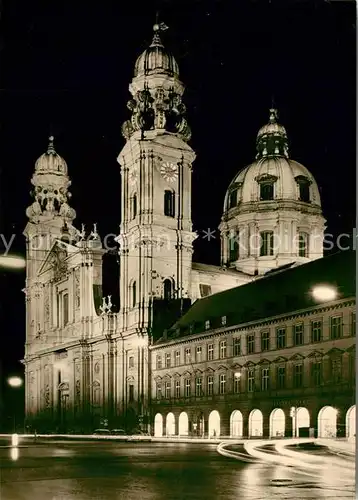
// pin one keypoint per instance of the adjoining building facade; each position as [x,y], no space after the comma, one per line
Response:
[88,366]
[266,359]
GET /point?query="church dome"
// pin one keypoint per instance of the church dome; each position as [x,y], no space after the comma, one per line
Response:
[286,174]
[156,59]
[51,162]
[273,176]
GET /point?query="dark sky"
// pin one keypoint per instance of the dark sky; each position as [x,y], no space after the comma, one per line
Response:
[66,67]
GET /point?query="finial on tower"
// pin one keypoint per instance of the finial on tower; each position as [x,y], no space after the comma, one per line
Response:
[273,115]
[157,28]
[50,148]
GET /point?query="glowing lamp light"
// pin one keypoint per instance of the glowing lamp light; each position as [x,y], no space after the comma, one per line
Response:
[237,375]
[12,262]
[15,440]
[15,381]
[323,293]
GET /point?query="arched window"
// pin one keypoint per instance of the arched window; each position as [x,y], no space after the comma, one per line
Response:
[133,294]
[304,191]
[304,188]
[168,289]
[233,246]
[233,199]
[169,203]
[266,191]
[303,244]
[134,206]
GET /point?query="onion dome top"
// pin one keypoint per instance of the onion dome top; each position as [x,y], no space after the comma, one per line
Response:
[51,162]
[156,59]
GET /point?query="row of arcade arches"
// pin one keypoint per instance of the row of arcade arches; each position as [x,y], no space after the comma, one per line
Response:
[326,423]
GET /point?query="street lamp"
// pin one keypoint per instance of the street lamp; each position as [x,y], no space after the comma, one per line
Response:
[293,414]
[12,262]
[324,293]
[14,381]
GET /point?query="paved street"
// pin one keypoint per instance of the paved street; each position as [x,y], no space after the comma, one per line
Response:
[63,470]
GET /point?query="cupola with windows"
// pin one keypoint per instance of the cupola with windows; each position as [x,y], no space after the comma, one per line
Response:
[272,209]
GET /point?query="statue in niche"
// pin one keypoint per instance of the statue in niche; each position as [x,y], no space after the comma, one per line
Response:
[77,288]
[47,306]
[47,397]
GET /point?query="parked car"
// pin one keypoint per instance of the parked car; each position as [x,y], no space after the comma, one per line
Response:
[118,432]
[101,432]
[138,435]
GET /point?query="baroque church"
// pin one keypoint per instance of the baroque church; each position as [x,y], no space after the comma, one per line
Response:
[87,366]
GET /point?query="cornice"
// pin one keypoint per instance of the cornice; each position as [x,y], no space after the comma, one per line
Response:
[219,332]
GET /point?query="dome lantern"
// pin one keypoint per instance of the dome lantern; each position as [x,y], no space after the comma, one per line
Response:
[156,59]
[272,138]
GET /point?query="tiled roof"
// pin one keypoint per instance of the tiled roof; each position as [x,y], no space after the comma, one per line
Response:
[275,294]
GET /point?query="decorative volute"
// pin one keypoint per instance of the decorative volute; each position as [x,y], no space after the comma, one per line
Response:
[51,183]
[157,93]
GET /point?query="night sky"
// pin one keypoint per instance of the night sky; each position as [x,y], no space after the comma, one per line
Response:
[66,69]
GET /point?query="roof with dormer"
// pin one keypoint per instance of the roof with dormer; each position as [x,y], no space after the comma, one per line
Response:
[279,292]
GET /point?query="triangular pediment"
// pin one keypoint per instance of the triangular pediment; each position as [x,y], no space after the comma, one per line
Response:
[280,359]
[236,366]
[166,376]
[176,375]
[249,364]
[315,354]
[352,348]
[197,371]
[56,259]
[264,361]
[187,374]
[210,370]
[297,357]
[158,378]
[334,352]
[222,367]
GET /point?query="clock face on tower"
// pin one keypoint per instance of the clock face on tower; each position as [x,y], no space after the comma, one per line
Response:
[169,171]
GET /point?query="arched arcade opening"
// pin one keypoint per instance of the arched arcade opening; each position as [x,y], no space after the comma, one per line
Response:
[277,423]
[214,424]
[256,424]
[302,420]
[351,422]
[236,424]
[170,424]
[327,422]
[158,425]
[183,424]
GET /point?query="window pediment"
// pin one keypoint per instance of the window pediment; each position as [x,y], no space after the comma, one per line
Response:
[210,370]
[222,368]
[334,352]
[249,364]
[315,354]
[264,362]
[236,366]
[297,357]
[302,179]
[280,359]
[167,376]
[158,378]
[187,373]
[266,178]
[96,384]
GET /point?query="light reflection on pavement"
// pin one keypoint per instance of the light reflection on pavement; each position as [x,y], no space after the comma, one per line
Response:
[149,471]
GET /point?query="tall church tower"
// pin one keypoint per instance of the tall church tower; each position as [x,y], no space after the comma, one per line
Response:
[156,166]
[50,218]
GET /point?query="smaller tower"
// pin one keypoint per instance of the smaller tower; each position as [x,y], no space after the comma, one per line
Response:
[50,212]
[272,211]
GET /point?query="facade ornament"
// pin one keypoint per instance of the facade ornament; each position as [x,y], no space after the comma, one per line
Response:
[94,234]
[82,234]
[106,306]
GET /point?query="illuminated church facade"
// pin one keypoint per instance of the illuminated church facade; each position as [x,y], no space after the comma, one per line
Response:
[88,366]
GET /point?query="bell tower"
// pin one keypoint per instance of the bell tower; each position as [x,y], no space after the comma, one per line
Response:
[156,167]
